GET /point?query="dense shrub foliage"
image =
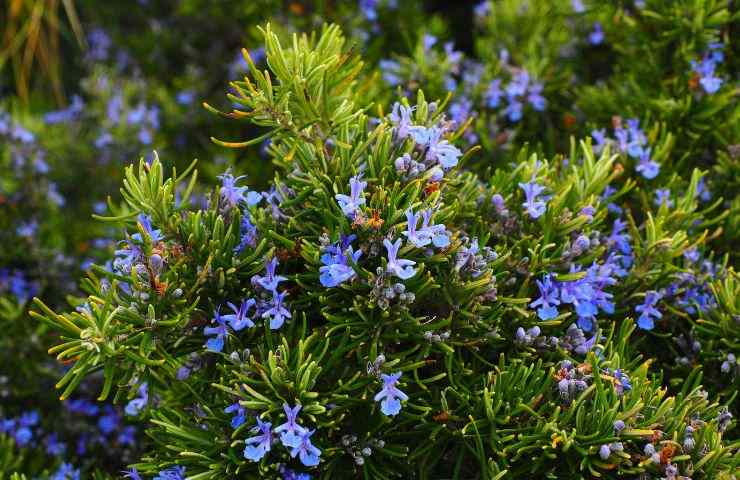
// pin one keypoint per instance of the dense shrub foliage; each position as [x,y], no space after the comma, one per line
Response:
[393,258]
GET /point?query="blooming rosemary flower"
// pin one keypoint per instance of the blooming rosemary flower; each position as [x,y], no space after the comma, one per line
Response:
[596,37]
[175,472]
[437,149]
[399,267]
[401,118]
[240,318]
[390,397]
[135,406]
[646,167]
[623,382]
[494,93]
[352,203]
[258,446]
[663,196]
[647,310]
[269,281]
[66,472]
[549,298]
[305,450]
[276,311]
[247,232]
[233,195]
[535,207]
[706,68]
[435,234]
[216,344]
[290,432]
[240,414]
[133,474]
[336,260]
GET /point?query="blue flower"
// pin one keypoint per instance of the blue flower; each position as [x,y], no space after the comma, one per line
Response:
[706,69]
[600,140]
[305,450]
[548,300]
[247,232]
[663,196]
[53,446]
[647,310]
[390,397]
[133,474]
[604,452]
[276,311]
[401,268]
[647,167]
[623,381]
[514,110]
[352,203]
[232,195]
[535,207]
[240,318]
[391,71]
[135,406]
[494,93]
[175,472]
[437,149]
[401,118]
[270,281]
[240,414]
[258,446]
[216,344]
[336,259]
[535,98]
[597,35]
[66,472]
[290,432]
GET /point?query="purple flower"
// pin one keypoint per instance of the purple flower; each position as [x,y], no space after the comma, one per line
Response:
[175,472]
[535,98]
[248,232]
[663,196]
[240,414]
[66,472]
[269,281]
[258,446]
[391,71]
[240,318]
[597,35]
[135,406]
[232,195]
[604,452]
[600,140]
[133,474]
[352,203]
[305,450]
[336,258]
[390,397]
[401,118]
[276,311]
[53,446]
[534,206]
[494,93]
[648,311]
[436,234]
[290,432]
[219,332]
[514,110]
[548,299]
[437,149]
[401,268]
[623,382]
[647,167]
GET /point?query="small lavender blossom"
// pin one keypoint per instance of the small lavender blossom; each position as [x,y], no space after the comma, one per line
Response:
[232,195]
[135,406]
[437,149]
[305,450]
[258,446]
[647,310]
[535,207]
[401,118]
[663,196]
[549,299]
[290,432]
[596,37]
[352,203]
[604,452]
[535,98]
[336,260]
[219,333]
[494,93]
[390,397]
[399,267]
[240,414]
[175,472]
[240,318]
[269,281]
[276,311]
[646,167]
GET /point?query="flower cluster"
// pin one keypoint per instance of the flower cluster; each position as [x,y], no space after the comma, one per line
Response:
[706,68]
[631,141]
